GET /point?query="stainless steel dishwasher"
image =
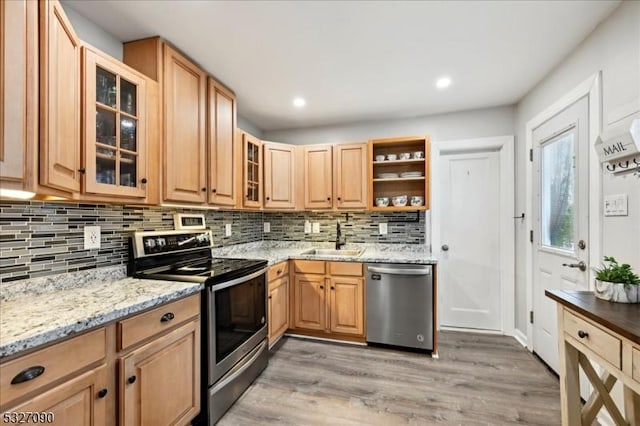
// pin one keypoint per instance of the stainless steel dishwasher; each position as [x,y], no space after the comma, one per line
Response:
[400,305]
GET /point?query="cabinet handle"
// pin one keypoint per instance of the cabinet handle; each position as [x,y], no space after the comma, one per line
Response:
[102,393]
[268,198]
[328,198]
[204,189]
[279,271]
[269,297]
[82,170]
[143,180]
[321,287]
[339,198]
[333,288]
[28,374]
[213,190]
[131,380]
[167,317]
[583,334]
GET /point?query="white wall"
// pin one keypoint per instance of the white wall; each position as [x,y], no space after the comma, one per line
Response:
[613,48]
[457,125]
[93,34]
[249,127]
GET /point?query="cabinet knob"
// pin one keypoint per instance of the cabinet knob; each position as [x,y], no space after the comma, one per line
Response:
[268,198]
[333,288]
[82,170]
[582,334]
[279,271]
[204,189]
[270,297]
[321,287]
[143,180]
[28,374]
[167,317]
[131,380]
[328,198]
[339,198]
[102,393]
[213,190]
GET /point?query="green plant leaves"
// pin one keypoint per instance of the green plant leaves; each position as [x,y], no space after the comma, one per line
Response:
[616,273]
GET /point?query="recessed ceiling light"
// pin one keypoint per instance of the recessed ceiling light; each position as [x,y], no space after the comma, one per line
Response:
[299,102]
[443,82]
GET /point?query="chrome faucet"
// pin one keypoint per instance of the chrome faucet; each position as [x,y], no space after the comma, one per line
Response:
[339,241]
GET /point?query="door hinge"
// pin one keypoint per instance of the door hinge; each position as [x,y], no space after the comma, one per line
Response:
[531,236]
[531,317]
[531,155]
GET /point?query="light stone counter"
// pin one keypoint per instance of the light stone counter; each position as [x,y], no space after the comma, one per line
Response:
[37,311]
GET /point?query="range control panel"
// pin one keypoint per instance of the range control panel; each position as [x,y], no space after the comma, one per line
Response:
[152,243]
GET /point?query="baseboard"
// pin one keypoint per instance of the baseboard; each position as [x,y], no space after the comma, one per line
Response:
[520,337]
[470,330]
[324,339]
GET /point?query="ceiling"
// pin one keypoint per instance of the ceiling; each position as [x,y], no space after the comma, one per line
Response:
[358,61]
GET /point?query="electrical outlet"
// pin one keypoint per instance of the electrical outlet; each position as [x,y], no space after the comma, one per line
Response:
[307,227]
[316,227]
[266,227]
[383,228]
[227,230]
[91,237]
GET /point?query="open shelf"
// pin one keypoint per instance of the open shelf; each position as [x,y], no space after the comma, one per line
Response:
[398,179]
[397,162]
[398,208]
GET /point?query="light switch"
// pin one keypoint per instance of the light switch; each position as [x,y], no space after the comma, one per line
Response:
[316,227]
[383,228]
[266,227]
[91,237]
[307,227]
[616,205]
[227,230]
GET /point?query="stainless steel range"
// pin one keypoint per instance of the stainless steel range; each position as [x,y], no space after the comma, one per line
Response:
[234,304]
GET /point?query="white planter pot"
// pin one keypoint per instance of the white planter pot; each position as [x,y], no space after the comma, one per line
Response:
[620,293]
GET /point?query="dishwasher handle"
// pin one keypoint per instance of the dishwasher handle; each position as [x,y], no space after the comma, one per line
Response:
[399,271]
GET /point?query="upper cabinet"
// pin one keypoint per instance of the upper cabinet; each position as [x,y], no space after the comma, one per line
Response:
[318,190]
[350,176]
[279,176]
[399,173]
[18,94]
[59,100]
[251,166]
[115,143]
[222,147]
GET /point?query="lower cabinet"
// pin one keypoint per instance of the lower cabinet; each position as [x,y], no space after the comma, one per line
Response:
[278,308]
[346,304]
[310,310]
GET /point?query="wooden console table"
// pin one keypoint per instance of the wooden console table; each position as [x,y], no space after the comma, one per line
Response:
[609,334]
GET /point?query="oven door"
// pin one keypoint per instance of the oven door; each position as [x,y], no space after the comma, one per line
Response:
[237,321]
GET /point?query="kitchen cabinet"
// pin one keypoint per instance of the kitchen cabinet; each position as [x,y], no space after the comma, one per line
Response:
[331,303]
[279,176]
[317,165]
[278,301]
[393,175]
[18,95]
[350,183]
[60,106]
[115,143]
[251,166]
[221,139]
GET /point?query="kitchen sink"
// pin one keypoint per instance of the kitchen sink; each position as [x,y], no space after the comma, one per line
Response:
[333,252]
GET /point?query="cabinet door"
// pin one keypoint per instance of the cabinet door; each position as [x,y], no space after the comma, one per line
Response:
[350,178]
[185,143]
[222,125]
[347,305]
[279,177]
[80,401]
[252,171]
[318,192]
[115,125]
[310,310]
[160,382]
[278,308]
[59,100]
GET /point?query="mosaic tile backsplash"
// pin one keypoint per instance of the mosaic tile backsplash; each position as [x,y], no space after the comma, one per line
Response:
[44,238]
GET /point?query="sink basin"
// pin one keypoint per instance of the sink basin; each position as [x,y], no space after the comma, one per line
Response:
[333,252]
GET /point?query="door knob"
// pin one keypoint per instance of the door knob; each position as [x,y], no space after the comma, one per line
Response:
[445,247]
[580,265]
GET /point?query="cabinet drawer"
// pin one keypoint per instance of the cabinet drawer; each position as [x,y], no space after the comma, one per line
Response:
[139,328]
[277,271]
[594,338]
[54,362]
[309,266]
[278,282]
[346,269]
[636,364]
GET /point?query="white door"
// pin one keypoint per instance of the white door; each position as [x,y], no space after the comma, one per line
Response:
[470,235]
[560,205]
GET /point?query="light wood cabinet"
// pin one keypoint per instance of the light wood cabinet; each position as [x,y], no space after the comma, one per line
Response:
[318,189]
[278,307]
[184,123]
[310,310]
[18,94]
[115,142]
[346,304]
[279,176]
[160,381]
[251,166]
[221,138]
[59,100]
[350,176]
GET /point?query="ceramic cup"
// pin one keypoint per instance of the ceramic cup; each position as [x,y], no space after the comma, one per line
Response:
[417,200]
[392,157]
[382,201]
[400,200]
[379,157]
[418,155]
[404,156]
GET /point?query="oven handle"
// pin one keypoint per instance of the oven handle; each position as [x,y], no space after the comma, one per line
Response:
[237,281]
[225,380]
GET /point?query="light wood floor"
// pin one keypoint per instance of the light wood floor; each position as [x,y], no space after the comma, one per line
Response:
[478,380]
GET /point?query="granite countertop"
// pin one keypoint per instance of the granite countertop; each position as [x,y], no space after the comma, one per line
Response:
[278,251]
[37,311]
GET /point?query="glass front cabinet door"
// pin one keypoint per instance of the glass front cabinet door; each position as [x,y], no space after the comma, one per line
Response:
[252,171]
[114,128]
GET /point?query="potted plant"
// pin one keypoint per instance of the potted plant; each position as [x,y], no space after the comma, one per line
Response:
[617,283]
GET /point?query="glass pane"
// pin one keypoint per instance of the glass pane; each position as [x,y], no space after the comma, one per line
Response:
[250,173]
[106,166]
[249,152]
[127,97]
[105,127]
[128,169]
[128,127]
[256,150]
[105,87]
[256,178]
[558,192]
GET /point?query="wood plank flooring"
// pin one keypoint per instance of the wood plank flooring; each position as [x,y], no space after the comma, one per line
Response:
[478,380]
